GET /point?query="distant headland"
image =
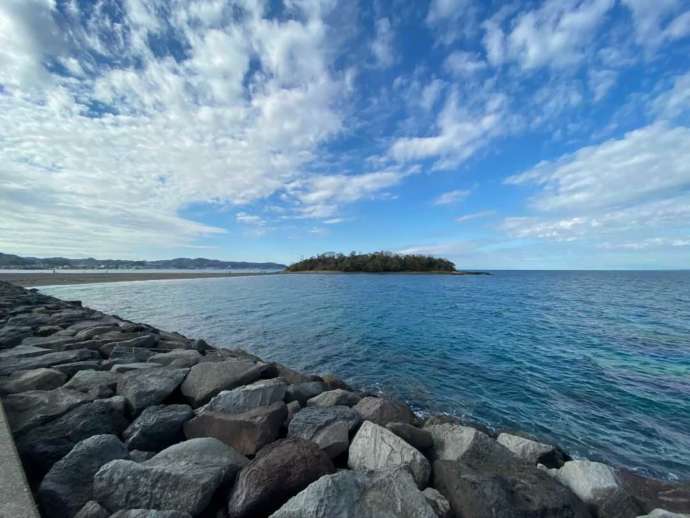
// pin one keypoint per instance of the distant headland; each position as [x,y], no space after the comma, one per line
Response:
[377,262]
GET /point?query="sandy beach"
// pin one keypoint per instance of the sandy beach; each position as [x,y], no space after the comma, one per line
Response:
[29,278]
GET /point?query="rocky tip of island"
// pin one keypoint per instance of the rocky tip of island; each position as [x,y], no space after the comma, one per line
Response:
[120,419]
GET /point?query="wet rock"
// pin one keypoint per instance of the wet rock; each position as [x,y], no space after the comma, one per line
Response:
[328,427]
[30,409]
[68,486]
[178,358]
[92,509]
[441,419]
[11,365]
[70,369]
[510,489]
[36,379]
[246,432]
[360,494]
[532,451]
[335,397]
[376,448]
[157,427]
[207,379]
[279,471]
[99,384]
[44,445]
[333,382]
[303,391]
[248,397]
[149,386]
[383,411]
[183,478]
[437,502]
[417,437]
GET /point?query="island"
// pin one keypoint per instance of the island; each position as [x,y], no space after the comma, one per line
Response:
[377,262]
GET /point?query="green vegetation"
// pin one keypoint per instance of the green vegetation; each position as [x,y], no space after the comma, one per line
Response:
[377,262]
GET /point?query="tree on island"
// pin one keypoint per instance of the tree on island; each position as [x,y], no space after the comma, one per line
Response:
[376,262]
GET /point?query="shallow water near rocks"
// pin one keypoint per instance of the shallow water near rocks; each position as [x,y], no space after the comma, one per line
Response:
[598,362]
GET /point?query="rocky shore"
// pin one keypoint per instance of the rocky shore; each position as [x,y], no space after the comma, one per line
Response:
[113,418]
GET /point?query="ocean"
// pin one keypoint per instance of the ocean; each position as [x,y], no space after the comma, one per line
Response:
[597,362]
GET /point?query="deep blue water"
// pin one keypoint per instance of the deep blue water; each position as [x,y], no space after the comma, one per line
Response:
[598,362]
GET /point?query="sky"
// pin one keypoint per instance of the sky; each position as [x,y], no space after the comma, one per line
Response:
[517,134]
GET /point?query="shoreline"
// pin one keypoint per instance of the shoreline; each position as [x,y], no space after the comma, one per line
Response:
[99,402]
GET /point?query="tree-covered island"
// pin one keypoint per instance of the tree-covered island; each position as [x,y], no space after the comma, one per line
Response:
[377,262]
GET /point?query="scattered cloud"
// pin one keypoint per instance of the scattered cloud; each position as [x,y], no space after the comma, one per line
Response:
[451,197]
[382,46]
[657,21]
[475,215]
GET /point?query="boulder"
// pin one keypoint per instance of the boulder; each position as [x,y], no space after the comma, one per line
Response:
[437,502]
[100,384]
[121,368]
[333,382]
[292,407]
[44,445]
[246,432]
[183,477]
[177,358]
[279,471]
[141,455]
[68,486]
[248,397]
[47,330]
[130,354]
[671,496]
[36,379]
[328,427]
[455,442]
[532,451]
[510,489]
[592,482]
[360,494]
[376,448]
[149,513]
[136,345]
[383,411]
[23,351]
[335,397]
[70,369]
[157,427]
[417,437]
[289,375]
[149,387]
[30,409]
[207,379]
[663,513]
[92,509]
[11,365]
[13,335]
[303,391]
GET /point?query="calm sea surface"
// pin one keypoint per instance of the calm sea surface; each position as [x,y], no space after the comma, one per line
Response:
[596,361]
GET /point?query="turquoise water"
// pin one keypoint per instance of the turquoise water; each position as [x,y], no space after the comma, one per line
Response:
[596,361]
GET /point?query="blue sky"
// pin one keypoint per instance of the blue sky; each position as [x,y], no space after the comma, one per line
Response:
[498,134]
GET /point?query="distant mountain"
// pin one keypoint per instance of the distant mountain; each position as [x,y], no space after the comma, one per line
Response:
[8,261]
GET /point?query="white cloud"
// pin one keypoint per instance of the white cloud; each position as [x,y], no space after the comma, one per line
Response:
[249,219]
[654,160]
[450,19]
[658,21]
[450,197]
[461,63]
[475,215]
[675,101]
[601,81]
[382,46]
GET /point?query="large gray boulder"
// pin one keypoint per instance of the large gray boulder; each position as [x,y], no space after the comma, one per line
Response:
[304,391]
[149,387]
[183,478]
[68,486]
[336,397]
[157,427]
[532,451]
[438,502]
[23,351]
[149,513]
[511,489]
[44,445]
[376,448]
[100,384]
[455,442]
[279,471]
[383,411]
[13,335]
[30,409]
[328,427]
[417,437]
[248,397]
[35,379]
[246,432]
[11,365]
[122,368]
[359,494]
[92,509]
[207,379]
[70,369]
[177,358]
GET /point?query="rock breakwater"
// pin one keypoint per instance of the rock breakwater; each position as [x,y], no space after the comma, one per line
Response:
[116,418]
